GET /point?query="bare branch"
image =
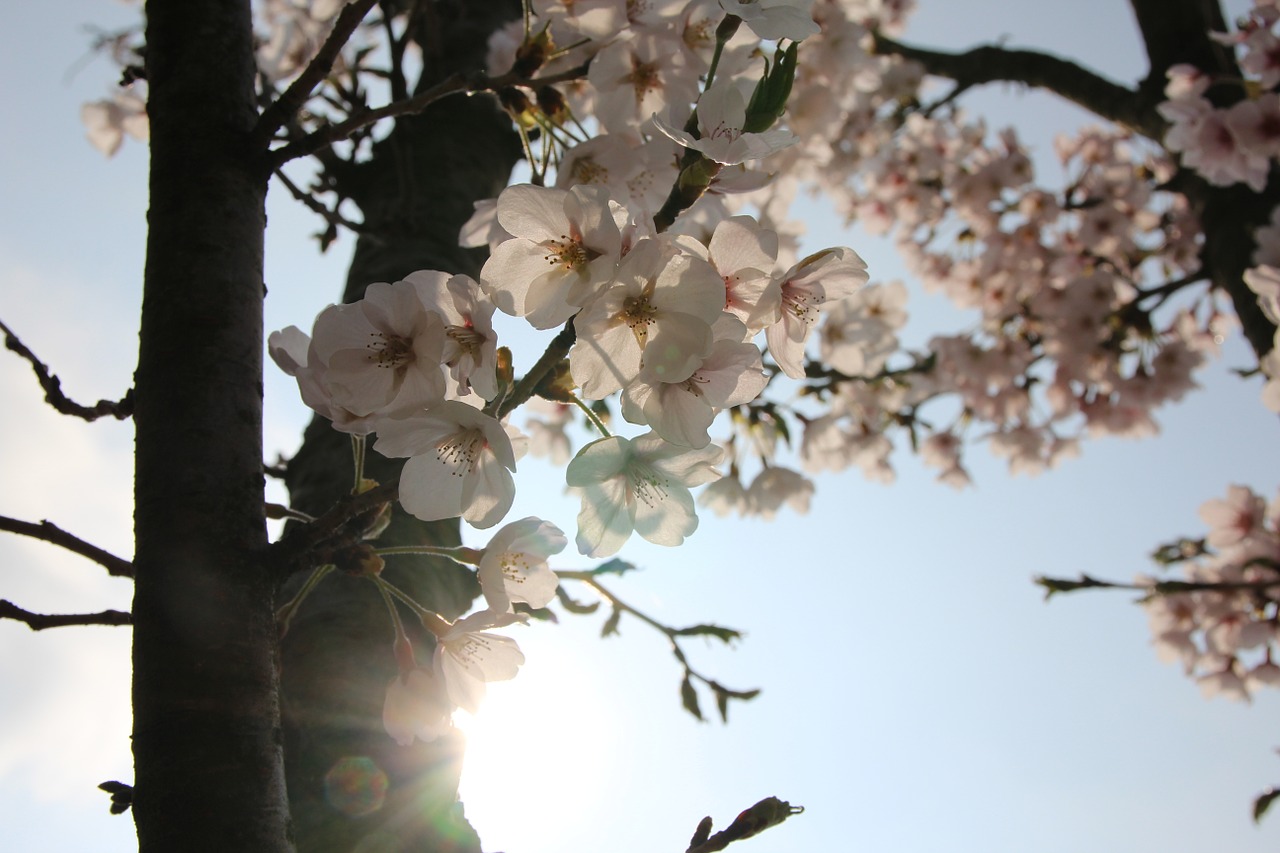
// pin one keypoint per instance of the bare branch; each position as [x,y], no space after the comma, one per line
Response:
[991,64]
[299,91]
[333,217]
[50,532]
[52,385]
[451,85]
[41,621]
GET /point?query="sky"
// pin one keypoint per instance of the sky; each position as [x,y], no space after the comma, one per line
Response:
[917,692]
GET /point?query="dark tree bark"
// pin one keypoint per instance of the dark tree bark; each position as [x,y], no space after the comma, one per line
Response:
[206,739]
[415,193]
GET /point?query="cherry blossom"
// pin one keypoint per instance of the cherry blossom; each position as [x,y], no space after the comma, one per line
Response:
[416,707]
[460,463]
[639,485]
[817,281]
[470,347]
[467,657]
[108,121]
[513,568]
[382,354]
[565,244]
[722,115]
[659,294]
[775,19]
[680,408]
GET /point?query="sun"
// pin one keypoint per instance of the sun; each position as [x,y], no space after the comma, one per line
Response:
[539,742]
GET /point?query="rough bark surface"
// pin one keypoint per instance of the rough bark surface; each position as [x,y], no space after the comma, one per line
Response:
[206,739]
[415,193]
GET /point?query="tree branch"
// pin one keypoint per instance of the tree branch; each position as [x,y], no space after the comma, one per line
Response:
[41,621]
[52,385]
[333,217]
[347,519]
[991,64]
[50,532]
[299,91]
[451,85]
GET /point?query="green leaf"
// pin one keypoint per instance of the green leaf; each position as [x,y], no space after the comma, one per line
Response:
[615,567]
[689,697]
[575,606]
[727,635]
[542,614]
[1264,801]
[611,624]
[722,704]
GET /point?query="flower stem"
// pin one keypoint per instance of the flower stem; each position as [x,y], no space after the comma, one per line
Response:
[357,454]
[286,611]
[461,552]
[591,416]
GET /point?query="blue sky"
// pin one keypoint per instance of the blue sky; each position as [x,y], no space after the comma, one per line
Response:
[917,693]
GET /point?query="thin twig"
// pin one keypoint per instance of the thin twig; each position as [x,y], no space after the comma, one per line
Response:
[293,552]
[299,91]
[41,621]
[333,217]
[52,385]
[454,84]
[50,532]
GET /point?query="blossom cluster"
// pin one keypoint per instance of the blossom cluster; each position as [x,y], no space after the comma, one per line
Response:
[1236,143]
[1226,628]
[667,319]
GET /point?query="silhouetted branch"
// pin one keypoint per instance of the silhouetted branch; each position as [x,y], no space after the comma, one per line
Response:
[991,64]
[454,84]
[347,520]
[52,385]
[50,532]
[333,217]
[768,812]
[41,621]
[688,695]
[299,91]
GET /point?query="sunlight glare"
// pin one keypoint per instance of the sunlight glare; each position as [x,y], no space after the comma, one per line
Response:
[539,742]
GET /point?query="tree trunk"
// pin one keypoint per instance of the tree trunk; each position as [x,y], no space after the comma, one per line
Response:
[206,738]
[415,193]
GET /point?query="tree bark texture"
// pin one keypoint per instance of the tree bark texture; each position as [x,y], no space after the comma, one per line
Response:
[415,194]
[206,739]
